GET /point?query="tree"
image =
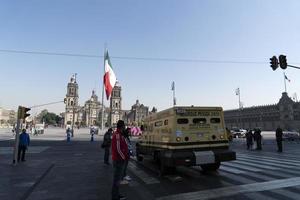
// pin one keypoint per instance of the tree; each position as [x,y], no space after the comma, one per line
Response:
[48,118]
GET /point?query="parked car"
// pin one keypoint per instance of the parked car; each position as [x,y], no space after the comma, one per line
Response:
[290,135]
[238,133]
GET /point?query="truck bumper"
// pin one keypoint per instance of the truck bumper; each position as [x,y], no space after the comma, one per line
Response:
[194,158]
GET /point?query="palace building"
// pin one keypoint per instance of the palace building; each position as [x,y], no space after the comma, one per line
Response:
[285,113]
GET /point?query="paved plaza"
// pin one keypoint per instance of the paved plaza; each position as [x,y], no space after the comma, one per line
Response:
[56,169]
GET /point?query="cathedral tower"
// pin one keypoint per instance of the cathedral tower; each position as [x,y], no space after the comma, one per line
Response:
[115,105]
[72,108]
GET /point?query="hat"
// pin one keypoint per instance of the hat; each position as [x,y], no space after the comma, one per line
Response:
[120,124]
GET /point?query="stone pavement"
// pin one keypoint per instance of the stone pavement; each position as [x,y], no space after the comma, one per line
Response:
[58,170]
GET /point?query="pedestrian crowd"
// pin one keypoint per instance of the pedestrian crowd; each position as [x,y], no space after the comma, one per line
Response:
[254,139]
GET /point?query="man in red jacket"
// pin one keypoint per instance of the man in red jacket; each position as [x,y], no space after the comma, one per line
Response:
[119,154]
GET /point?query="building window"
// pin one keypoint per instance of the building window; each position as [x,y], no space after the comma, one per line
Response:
[71,103]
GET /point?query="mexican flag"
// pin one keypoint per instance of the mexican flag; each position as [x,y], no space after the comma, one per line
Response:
[109,78]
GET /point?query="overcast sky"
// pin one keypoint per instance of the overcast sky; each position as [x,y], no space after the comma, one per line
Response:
[245,33]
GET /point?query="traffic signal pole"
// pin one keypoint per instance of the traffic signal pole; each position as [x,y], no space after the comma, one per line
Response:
[22,114]
[16,147]
[293,66]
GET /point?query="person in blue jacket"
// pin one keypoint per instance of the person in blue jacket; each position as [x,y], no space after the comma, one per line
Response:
[24,141]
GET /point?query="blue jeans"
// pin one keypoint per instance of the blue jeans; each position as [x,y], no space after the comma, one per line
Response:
[118,166]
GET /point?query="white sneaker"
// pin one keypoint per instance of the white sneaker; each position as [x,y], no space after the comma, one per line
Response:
[124,182]
[127,178]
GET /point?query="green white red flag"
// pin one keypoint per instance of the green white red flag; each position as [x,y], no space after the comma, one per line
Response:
[109,78]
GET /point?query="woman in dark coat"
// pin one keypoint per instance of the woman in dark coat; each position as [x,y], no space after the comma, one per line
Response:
[249,139]
[106,144]
[257,138]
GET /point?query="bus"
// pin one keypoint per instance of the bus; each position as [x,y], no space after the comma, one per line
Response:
[185,136]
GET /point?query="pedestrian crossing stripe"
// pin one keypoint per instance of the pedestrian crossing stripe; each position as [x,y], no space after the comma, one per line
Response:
[264,162]
[254,165]
[283,155]
[241,166]
[282,160]
[287,194]
[231,170]
[258,196]
[31,149]
[142,175]
[234,190]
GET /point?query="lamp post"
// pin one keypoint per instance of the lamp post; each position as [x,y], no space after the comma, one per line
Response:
[238,93]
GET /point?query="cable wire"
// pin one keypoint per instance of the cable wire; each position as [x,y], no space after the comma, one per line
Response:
[134,58]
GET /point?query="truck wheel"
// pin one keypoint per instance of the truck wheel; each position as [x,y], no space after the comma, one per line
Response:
[139,157]
[156,157]
[164,170]
[211,167]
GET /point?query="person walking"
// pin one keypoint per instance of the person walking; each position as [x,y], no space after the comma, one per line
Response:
[257,138]
[119,154]
[125,177]
[68,134]
[249,139]
[279,134]
[92,133]
[106,145]
[24,141]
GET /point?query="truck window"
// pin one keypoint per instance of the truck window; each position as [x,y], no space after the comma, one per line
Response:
[199,121]
[158,123]
[215,120]
[166,122]
[182,121]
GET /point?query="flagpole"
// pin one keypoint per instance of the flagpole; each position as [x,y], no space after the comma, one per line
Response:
[174,101]
[239,124]
[173,89]
[102,112]
[284,81]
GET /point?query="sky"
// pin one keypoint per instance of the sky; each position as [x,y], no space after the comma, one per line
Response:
[245,33]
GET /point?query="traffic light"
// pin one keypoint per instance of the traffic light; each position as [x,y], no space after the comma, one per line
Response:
[23,112]
[282,61]
[274,63]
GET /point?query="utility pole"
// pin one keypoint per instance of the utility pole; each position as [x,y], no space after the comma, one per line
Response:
[89,119]
[75,94]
